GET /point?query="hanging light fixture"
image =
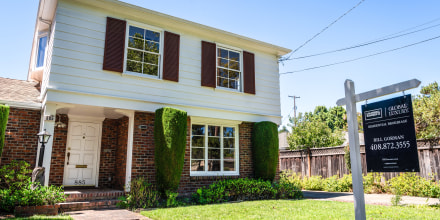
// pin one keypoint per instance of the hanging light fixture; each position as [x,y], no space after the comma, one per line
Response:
[60,124]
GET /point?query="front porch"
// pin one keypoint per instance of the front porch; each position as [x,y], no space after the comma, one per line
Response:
[82,199]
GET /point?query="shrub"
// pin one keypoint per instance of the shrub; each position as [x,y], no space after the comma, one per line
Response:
[373,183]
[17,189]
[142,195]
[244,190]
[313,183]
[413,185]
[170,142]
[4,114]
[265,150]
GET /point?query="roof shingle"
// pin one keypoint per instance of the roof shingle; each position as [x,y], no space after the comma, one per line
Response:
[14,90]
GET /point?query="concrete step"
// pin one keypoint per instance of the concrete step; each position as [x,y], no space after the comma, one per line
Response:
[86,205]
[92,195]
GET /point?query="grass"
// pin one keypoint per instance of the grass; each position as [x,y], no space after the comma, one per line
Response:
[291,209]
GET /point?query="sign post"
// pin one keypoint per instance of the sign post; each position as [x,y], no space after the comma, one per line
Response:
[350,101]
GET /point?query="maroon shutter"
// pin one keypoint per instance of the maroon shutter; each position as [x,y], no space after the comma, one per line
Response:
[248,72]
[171,57]
[208,64]
[114,45]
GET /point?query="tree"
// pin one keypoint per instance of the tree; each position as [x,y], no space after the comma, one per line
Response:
[322,128]
[427,112]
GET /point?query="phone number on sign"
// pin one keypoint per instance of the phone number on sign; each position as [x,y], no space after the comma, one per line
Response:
[391,145]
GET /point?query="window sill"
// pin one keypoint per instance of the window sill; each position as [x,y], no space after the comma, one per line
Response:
[142,76]
[213,177]
[213,174]
[221,89]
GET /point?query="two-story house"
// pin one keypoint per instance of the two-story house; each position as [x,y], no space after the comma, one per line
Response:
[105,66]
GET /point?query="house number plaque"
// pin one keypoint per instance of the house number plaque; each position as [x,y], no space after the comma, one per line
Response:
[80,182]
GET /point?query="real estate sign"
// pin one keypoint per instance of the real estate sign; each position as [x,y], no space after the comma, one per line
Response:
[389,132]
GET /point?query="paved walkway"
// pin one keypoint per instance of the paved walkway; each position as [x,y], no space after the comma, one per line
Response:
[107,214]
[374,199]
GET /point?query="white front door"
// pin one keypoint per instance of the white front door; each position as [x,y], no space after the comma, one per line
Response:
[82,154]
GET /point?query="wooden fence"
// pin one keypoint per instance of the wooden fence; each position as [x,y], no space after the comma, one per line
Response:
[327,162]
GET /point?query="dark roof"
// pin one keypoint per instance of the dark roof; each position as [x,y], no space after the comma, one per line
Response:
[14,90]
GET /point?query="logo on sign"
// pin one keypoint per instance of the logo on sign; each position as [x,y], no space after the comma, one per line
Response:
[373,114]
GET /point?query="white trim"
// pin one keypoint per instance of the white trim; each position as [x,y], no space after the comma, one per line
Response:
[40,35]
[200,121]
[86,119]
[25,105]
[161,47]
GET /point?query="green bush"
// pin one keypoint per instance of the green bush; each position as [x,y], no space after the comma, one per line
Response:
[142,195]
[412,185]
[313,183]
[245,190]
[373,183]
[170,142]
[265,150]
[4,114]
[17,189]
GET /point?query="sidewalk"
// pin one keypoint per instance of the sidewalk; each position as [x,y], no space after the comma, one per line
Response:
[105,214]
[373,199]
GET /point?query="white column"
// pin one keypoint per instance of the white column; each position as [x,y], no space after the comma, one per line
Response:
[355,152]
[129,150]
[49,109]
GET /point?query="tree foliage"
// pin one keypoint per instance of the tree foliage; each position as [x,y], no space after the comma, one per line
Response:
[321,128]
[427,112]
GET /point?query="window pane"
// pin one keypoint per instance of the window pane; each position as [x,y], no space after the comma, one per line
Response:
[213,165]
[197,153]
[214,131]
[222,53]
[136,32]
[134,66]
[134,55]
[214,142]
[228,154]
[151,35]
[228,132]
[222,62]
[198,129]
[234,75]
[229,143]
[136,43]
[229,165]
[234,65]
[197,165]
[222,72]
[234,56]
[42,42]
[233,84]
[198,141]
[213,153]
[150,69]
[223,82]
[151,58]
[152,46]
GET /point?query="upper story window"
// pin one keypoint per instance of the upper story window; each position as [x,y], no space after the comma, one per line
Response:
[41,51]
[228,68]
[214,150]
[143,51]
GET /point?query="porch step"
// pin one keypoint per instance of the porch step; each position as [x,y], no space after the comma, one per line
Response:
[97,204]
[82,199]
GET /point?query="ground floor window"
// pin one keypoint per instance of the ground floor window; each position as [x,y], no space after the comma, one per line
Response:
[214,150]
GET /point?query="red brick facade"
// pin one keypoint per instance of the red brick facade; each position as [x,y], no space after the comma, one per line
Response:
[21,141]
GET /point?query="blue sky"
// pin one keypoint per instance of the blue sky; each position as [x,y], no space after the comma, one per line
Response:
[288,24]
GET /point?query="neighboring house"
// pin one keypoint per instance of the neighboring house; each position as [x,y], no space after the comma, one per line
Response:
[282,138]
[106,66]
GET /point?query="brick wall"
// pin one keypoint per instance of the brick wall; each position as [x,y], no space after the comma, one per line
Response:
[121,154]
[109,143]
[21,141]
[143,147]
[58,152]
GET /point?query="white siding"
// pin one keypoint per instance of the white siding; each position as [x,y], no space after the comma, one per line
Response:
[76,68]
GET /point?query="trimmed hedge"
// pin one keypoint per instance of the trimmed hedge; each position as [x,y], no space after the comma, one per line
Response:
[170,141]
[4,114]
[265,150]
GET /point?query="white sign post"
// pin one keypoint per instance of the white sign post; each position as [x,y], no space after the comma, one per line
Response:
[355,156]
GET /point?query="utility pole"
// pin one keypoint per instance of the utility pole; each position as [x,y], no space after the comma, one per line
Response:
[294,107]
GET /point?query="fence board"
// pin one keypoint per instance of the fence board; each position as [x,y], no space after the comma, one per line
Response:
[327,162]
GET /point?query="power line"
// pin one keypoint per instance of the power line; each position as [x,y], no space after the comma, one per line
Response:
[324,29]
[375,54]
[365,44]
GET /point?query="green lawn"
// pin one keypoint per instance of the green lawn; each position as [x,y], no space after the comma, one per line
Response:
[291,209]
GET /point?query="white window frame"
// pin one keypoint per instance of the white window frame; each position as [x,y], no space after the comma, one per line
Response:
[41,35]
[235,49]
[237,150]
[161,42]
